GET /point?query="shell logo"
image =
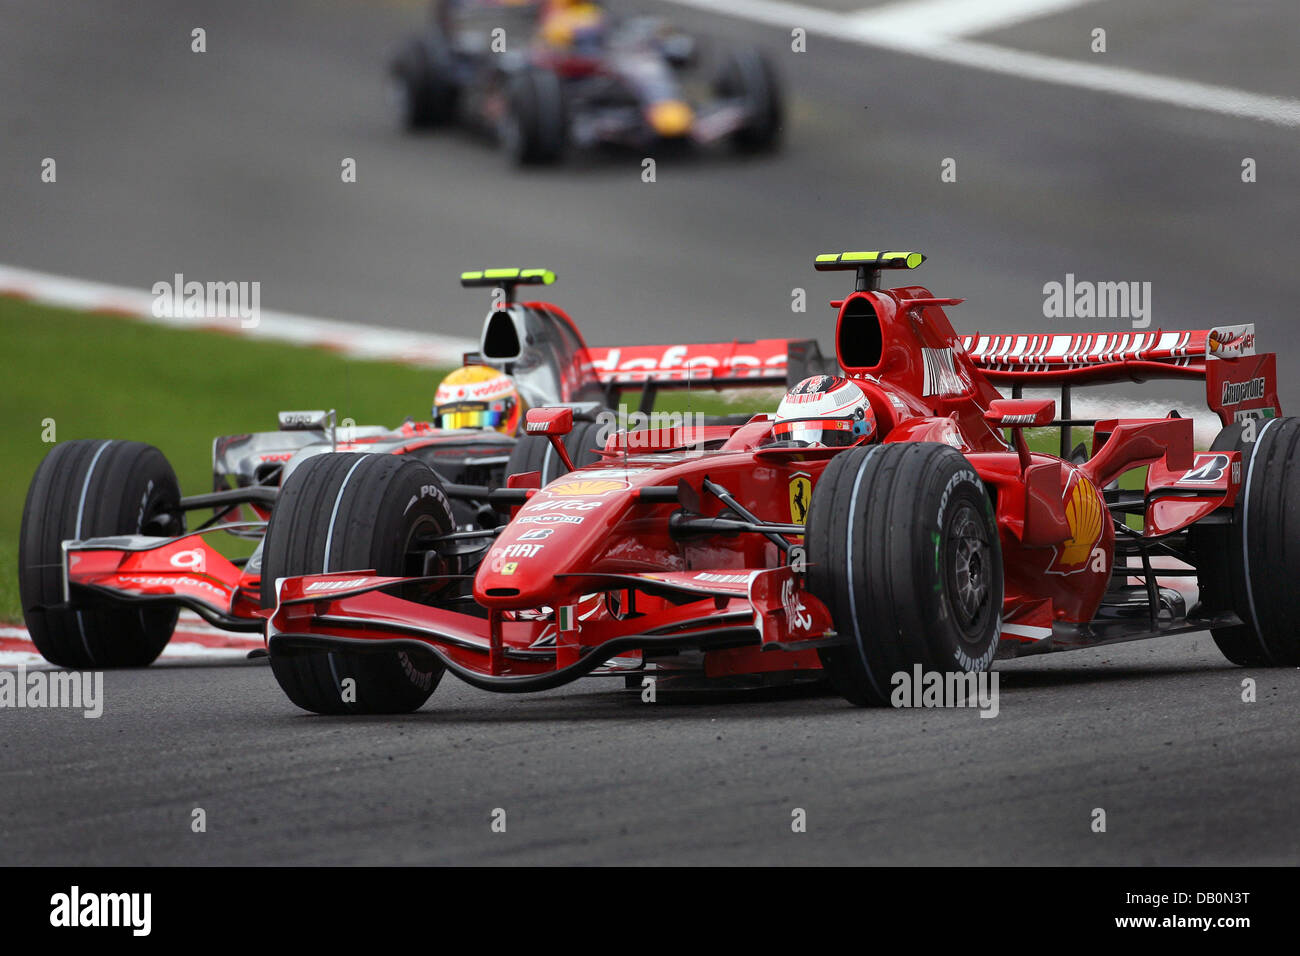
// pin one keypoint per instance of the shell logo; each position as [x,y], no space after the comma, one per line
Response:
[586,487]
[1084,515]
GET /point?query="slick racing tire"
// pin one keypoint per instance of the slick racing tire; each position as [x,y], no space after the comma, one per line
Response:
[903,549]
[349,512]
[535,453]
[94,489]
[747,75]
[423,86]
[535,128]
[1252,565]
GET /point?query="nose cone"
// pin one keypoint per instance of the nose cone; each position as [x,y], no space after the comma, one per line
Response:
[560,530]
[670,118]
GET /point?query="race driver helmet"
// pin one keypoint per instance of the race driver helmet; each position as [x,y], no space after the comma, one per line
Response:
[576,25]
[478,397]
[825,411]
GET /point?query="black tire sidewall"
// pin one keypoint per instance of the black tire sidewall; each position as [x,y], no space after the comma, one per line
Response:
[748,74]
[347,512]
[880,536]
[536,102]
[89,489]
[1221,572]
[1264,550]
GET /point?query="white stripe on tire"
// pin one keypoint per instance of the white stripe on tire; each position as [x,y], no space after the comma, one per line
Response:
[325,564]
[81,511]
[1245,539]
[848,554]
[338,500]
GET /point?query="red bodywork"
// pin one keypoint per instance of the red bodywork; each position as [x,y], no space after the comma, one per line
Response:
[591,575]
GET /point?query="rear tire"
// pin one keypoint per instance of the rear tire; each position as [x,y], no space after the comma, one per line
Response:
[1252,565]
[749,76]
[1214,577]
[349,512]
[93,489]
[903,549]
[535,130]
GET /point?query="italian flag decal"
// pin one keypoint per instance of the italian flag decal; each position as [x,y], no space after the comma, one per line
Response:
[566,618]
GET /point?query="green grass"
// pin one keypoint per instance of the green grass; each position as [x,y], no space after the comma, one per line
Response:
[107,377]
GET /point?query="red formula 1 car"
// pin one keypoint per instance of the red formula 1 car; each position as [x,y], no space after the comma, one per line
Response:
[942,543]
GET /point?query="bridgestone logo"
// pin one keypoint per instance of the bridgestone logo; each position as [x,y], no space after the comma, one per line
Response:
[1235,392]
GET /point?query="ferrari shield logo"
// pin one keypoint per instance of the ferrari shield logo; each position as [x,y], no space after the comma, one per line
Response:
[800,496]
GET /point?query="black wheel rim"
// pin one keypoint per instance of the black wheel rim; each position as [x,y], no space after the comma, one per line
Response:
[970,573]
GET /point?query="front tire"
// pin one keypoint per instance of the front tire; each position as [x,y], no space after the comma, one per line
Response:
[903,549]
[94,489]
[348,512]
[747,75]
[535,129]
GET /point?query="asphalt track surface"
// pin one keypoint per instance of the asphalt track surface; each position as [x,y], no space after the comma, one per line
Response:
[226,165]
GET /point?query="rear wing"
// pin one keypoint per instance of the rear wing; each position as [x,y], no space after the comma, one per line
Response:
[540,346]
[1239,382]
[777,362]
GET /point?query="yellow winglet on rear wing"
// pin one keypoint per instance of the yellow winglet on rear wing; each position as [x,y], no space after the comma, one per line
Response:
[505,279]
[836,261]
[867,265]
[495,277]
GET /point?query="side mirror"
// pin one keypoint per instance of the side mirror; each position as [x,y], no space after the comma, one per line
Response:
[1020,412]
[549,420]
[553,422]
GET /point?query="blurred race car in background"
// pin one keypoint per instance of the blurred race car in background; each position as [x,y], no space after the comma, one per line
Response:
[548,76]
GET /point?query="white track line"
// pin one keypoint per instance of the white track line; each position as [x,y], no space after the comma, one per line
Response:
[938,20]
[909,34]
[350,338]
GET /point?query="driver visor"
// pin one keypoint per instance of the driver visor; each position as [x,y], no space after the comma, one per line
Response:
[831,432]
[471,418]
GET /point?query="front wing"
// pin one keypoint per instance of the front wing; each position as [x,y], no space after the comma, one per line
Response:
[184,571]
[743,621]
